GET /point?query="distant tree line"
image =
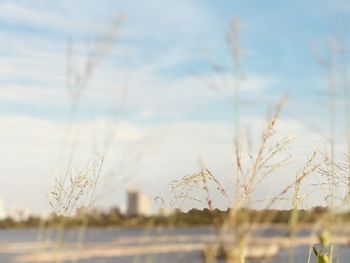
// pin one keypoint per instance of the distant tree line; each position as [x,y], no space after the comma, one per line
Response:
[194,217]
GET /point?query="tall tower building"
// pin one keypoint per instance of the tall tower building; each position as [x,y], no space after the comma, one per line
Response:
[3,213]
[138,203]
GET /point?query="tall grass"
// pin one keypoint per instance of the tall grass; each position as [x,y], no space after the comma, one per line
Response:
[76,187]
[252,168]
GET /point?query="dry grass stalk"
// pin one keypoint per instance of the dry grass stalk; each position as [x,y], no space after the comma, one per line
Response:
[74,188]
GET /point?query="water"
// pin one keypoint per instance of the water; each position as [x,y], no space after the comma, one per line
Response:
[115,235]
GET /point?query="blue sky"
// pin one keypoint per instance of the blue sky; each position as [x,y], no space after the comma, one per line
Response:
[171,39]
[160,59]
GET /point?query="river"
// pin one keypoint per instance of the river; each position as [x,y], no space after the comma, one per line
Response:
[138,237]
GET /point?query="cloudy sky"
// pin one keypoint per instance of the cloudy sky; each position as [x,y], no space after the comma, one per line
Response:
[162,86]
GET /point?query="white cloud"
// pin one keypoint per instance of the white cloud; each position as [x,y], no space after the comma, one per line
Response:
[12,12]
[59,17]
[32,148]
[35,75]
[147,156]
[34,68]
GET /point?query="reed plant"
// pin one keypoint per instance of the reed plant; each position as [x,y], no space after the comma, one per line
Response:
[75,187]
[252,168]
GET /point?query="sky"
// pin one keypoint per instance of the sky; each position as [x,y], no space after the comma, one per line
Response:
[156,87]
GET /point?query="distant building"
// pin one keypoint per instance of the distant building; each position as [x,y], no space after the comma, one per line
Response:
[18,213]
[3,213]
[166,211]
[115,211]
[84,211]
[46,215]
[138,204]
